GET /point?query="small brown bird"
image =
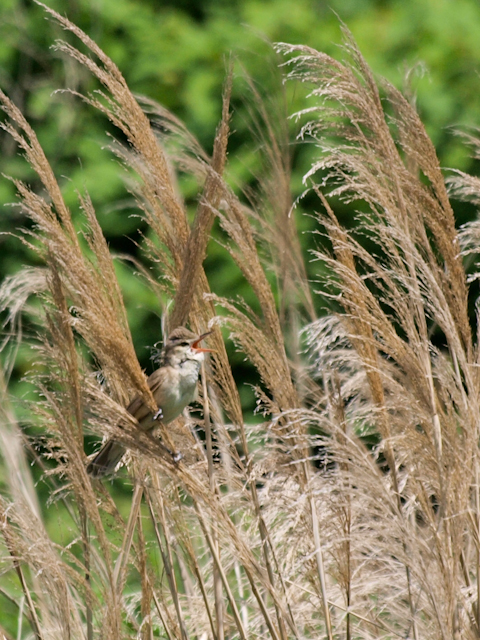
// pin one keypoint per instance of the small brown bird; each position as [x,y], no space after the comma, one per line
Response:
[173,386]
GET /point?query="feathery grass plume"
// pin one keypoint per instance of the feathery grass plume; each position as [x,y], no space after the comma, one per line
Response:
[121,109]
[100,317]
[158,198]
[221,544]
[199,236]
[273,208]
[406,323]
[50,588]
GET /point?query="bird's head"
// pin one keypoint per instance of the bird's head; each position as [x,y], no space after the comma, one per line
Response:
[182,345]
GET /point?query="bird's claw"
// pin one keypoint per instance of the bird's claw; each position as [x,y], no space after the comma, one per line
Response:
[158,415]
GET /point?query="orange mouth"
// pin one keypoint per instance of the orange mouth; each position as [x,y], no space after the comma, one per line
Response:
[195,346]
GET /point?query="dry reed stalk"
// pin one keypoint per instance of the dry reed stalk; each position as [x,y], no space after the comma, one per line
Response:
[219,606]
[159,516]
[272,211]
[200,233]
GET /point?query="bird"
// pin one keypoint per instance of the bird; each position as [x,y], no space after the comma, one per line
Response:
[173,386]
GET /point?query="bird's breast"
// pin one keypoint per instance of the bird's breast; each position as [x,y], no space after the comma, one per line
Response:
[178,391]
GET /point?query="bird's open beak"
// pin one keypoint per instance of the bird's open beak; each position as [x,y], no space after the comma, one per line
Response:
[199,339]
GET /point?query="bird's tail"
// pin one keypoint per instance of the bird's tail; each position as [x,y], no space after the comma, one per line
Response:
[106,460]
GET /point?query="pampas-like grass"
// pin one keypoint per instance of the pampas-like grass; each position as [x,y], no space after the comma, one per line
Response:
[353,509]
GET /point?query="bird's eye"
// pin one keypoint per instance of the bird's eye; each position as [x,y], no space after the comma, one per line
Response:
[184,343]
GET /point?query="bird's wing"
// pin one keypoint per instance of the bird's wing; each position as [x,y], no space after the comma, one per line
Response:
[137,407]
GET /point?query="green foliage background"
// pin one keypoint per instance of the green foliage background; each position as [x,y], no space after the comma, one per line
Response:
[175,52]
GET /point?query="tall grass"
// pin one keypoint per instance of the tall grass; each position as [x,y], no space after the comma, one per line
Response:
[353,509]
